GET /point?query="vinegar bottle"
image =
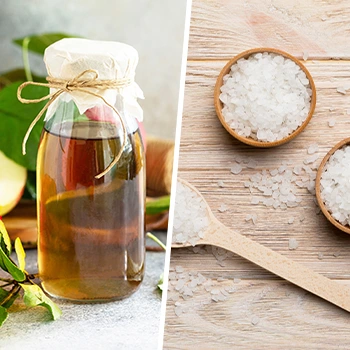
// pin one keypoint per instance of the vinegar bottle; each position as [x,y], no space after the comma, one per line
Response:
[91,230]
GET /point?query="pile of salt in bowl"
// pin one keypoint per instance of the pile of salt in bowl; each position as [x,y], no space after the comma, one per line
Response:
[335,185]
[265,97]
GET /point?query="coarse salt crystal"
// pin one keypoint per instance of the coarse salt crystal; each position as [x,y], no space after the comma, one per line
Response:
[252,164]
[341,90]
[223,208]
[331,122]
[236,169]
[255,320]
[221,183]
[293,244]
[305,55]
[311,159]
[312,148]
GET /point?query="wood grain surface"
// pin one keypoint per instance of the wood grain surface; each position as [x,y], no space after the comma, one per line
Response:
[264,312]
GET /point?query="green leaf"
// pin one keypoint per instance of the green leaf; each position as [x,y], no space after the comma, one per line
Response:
[3,295]
[34,296]
[17,75]
[5,241]
[21,254]
[15,119]
[10,267]
[160,282]
[38,43]
[158,206]
[3,315]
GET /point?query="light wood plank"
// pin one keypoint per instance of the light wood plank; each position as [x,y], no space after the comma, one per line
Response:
[224,28]
[287,316]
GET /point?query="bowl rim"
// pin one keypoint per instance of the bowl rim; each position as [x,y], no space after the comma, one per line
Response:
[320,202]
[219,105]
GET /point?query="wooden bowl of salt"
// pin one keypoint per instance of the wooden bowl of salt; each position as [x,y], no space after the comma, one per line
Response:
[251,137]
[330,181]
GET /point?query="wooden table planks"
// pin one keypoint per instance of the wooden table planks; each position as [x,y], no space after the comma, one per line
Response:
[288,316]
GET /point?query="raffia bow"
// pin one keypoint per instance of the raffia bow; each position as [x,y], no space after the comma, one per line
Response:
[81,84]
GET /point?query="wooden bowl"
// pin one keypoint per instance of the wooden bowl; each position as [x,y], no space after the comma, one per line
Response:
[318,186]
[219,105]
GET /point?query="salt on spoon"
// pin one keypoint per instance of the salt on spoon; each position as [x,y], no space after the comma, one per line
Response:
[194,223]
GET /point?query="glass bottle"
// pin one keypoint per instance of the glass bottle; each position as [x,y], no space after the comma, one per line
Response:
[91,230]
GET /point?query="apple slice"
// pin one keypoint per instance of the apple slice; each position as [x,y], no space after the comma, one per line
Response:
[13,179]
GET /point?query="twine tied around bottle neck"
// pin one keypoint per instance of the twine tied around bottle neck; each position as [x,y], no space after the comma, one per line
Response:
[83,82]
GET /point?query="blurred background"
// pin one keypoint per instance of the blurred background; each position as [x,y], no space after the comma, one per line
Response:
[154,27]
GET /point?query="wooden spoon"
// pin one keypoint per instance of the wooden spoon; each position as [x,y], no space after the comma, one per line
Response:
[219,235]
[219,105]
[325,211]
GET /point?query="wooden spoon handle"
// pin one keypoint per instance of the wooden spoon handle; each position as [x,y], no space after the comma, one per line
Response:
[278,264]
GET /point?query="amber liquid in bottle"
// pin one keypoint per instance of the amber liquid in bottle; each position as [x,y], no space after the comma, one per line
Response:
[91,231]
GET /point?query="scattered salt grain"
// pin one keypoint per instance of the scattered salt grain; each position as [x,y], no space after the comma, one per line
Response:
[179,269]
[252,164]
[255,200]
[313,148]
[311,159]
[331,109]
[290,221]
[265,97]
[178,310]
[335,185]
[255,320]
[221,183]
[274,172]
[320,256]
[297,170]
[252,217]
[293,244]
[341,90]
[186,285]
[305,55]
[331,122]
[336,254]
[223,208]
[236,168]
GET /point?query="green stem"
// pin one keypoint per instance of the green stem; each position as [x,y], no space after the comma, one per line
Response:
[13,292]
[155,239]
[25,56]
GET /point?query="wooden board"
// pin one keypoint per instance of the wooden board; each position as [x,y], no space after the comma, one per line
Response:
[21,222]
[288,316]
